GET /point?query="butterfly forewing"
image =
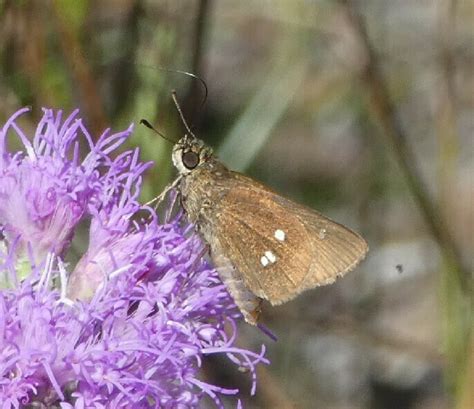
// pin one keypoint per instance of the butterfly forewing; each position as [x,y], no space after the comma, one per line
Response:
[273,269]
[281,248]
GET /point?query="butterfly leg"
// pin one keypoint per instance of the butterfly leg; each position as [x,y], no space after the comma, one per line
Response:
[200,256]
[158,199]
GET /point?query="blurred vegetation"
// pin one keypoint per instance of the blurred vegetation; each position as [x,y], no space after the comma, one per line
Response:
[362,110]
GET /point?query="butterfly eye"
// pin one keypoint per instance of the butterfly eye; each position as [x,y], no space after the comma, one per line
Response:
[190,159]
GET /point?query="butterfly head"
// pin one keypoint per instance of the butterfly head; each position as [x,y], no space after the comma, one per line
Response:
[189,153]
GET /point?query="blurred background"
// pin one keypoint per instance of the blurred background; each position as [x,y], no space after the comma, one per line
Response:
[360,109]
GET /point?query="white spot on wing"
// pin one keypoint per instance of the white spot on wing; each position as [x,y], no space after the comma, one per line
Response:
[280,235]
[322,234]
[264,261]
[270,256]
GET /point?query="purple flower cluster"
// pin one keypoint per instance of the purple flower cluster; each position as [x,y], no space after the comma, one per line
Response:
[130,323]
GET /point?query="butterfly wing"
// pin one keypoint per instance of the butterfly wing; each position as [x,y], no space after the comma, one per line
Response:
[263,245]
[280,248]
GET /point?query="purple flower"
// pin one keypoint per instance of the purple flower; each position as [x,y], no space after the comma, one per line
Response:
[130,324]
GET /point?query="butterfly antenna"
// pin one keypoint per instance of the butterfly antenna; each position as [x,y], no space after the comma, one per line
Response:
[189,74]
[206,91]
[196,77]
[178,107]
[150,126]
